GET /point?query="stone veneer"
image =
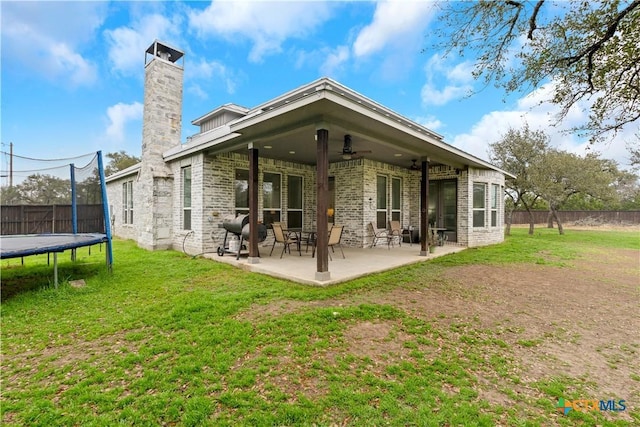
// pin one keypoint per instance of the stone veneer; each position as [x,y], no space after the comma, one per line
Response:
[161,129]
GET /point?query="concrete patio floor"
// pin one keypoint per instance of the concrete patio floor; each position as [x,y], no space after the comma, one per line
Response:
[358,262]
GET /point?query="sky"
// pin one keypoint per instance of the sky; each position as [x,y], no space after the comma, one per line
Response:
[72,73]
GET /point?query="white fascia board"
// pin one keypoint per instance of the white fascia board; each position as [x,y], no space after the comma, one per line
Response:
[360,99]
[131,170]
[292,95]
[200,144]
[234,108]
[401,123]
[258,117]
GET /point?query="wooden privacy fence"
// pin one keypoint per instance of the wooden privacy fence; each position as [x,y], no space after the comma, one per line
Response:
[540,217]
[39,219]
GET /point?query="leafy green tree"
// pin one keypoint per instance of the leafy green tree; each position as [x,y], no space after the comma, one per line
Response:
[517,152]
[10,196]
[118,161]
[590,50]
[561,175]
[44,189]
[634,149]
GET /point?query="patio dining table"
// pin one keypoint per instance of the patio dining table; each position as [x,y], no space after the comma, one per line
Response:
[440,233]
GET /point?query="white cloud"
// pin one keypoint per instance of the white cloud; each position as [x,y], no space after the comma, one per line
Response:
[399,24]
[119,115]
[540,115]
[40,37]
[335,61]
[266,24]
[211,71]
[446,82]
[430,122]
[128,44]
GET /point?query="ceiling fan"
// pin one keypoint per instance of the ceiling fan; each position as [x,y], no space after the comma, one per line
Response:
[347,150]
[414,166]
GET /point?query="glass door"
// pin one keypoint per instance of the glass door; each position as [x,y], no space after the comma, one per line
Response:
[443,207]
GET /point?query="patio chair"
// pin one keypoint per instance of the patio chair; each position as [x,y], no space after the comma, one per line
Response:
[377,235]
[395,231]
[335,236]
[287,239]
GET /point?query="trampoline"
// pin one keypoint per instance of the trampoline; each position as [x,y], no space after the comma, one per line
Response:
[17,246]
[87,186]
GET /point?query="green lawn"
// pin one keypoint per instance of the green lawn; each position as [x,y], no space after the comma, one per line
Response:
[171,340]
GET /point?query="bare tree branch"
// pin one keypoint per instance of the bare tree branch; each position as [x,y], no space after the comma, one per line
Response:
[532,20]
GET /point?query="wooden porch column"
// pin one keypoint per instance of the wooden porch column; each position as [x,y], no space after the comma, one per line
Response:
[424,207]
[254,255]
[322,203]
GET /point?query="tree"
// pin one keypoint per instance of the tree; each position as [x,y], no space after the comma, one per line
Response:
[633,147]
[589,50]
[43,189]
[560,175]
[10,196]
[517,152]
[119,161]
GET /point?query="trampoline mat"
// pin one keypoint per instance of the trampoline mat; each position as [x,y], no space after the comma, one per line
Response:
[33,244]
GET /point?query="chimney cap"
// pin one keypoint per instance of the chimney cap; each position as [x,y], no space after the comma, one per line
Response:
[158,47]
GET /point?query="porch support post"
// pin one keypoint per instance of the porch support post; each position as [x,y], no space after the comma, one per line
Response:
[322,203]
[424,205]
[254,254]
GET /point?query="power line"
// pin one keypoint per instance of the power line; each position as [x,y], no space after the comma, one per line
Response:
[49,160]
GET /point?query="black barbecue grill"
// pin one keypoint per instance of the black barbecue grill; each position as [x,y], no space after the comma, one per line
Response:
[239,227]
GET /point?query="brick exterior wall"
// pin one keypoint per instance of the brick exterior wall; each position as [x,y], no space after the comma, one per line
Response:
[213,194]
[114,195]
[481,236]
[212,198]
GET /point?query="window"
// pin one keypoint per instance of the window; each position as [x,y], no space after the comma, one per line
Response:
[241,185]
[272,195]
[127,202]
[381,202]
[479,191]
[186,198]
[495,194]
[396,199]
[294,201]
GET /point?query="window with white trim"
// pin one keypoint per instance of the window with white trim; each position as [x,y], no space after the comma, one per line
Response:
[495,203]
[271,197]
[396,199]
[479,204]
[294,201]
[186,198]
[127,202]
[381,201]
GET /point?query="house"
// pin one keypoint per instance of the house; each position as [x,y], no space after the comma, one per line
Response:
[319,154]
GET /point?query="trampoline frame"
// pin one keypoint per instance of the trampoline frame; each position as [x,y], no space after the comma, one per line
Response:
[21,245]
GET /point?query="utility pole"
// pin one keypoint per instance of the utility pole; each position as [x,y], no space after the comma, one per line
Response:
[10,164]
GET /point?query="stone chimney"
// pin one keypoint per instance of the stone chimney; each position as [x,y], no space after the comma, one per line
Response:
[161,130]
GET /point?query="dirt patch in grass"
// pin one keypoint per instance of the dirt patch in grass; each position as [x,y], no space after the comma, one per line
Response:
[580,321]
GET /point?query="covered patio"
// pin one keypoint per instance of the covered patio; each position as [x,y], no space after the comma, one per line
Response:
[324,155]
[358,262]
